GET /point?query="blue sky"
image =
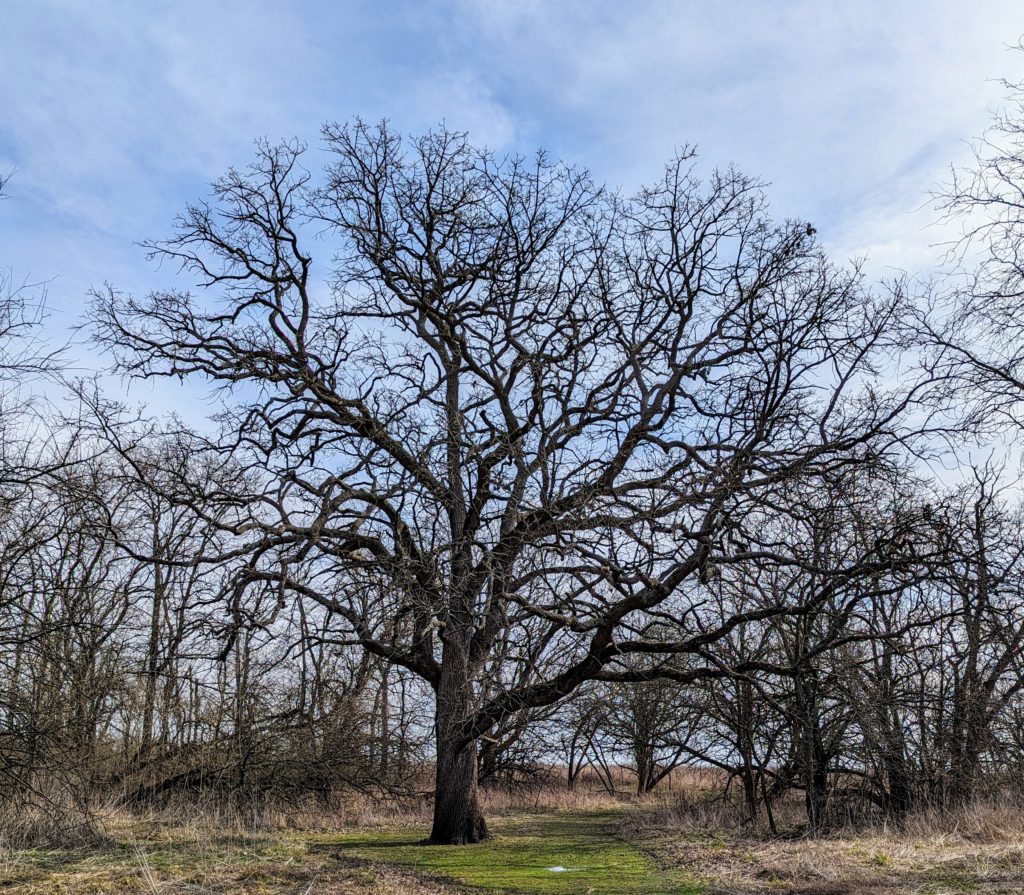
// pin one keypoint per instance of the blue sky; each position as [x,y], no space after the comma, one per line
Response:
[114,114]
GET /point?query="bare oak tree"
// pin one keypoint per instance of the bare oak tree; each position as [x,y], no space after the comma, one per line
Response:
[513,433]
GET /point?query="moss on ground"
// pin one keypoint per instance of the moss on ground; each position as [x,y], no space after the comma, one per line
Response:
[520,858]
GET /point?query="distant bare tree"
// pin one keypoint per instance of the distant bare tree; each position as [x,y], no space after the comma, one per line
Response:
[651,723]
[579,736]
[21,356]
[974,323]
[981,662]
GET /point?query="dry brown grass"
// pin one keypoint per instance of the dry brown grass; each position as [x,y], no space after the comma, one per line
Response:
[977,849]
[541,799]
[46,818]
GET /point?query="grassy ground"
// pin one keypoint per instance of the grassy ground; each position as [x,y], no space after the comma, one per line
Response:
[556,854]
[586,849]
[607,850]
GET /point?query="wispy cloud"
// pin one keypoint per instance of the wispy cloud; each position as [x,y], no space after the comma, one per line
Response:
[116,114]
[851,110]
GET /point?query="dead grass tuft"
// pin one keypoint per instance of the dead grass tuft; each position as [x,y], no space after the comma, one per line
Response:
[47,823]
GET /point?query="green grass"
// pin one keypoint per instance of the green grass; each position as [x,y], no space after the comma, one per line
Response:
[518,858]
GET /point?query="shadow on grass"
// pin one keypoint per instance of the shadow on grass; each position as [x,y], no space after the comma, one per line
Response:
[373,842]
[241,840]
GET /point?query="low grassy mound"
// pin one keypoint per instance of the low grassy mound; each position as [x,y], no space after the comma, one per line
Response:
[550,854]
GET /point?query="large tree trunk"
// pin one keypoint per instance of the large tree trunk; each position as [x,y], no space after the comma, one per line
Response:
[644,771]
[899,793]
[817,784]
[152,666]
[458,819]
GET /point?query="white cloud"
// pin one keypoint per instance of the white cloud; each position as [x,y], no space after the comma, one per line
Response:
[116,113]
[853,111]
[104,108]
[462,102]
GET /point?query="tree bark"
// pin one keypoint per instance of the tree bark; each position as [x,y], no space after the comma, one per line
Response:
[458,818]
[745,741]
[815,758]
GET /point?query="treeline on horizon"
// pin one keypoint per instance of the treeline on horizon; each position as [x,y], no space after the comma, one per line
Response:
[515,480]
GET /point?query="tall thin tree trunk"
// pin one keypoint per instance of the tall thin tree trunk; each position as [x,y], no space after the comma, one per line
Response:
[745,737]
[152,651]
